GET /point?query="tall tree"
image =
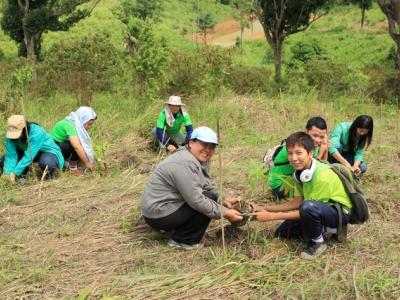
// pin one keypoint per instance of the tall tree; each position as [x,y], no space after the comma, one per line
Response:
[281,18]
[391,8]
[25,21]
[364,5]
[244,8]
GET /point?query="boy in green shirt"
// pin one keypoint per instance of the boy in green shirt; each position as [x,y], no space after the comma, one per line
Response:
[311,212]
[282,171]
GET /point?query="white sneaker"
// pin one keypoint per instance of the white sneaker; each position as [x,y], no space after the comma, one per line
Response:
[183,246]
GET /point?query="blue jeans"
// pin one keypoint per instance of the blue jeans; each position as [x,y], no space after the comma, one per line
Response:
[349,156]
[43,158]
[314,216]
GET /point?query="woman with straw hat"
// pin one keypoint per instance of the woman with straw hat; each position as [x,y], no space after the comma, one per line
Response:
[25,143]
[168,131]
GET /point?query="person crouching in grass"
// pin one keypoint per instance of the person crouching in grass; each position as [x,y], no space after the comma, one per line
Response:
[311,212]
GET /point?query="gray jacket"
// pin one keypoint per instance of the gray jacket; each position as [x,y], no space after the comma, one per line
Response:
[177,180]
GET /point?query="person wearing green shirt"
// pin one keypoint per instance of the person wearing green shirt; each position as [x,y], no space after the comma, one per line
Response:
[26,143]
[168,131]
[312,211]
[71,135]
[348,142]
[280,175]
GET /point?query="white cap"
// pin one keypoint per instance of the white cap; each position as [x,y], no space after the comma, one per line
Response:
[204,134]
[175,100]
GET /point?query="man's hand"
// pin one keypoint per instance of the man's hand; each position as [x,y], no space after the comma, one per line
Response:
[171,148]
[13,178]
[356,169]
[233,215]
[263,216]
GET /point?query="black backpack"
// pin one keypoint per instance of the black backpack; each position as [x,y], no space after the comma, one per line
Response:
[359,212]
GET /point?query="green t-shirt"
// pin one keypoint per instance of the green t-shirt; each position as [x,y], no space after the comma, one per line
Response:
[62,130]
[325,186]
[179,120]
[278,174]
[340,138]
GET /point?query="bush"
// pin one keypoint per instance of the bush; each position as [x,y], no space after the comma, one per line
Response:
[383,84]
[243,80]
[203,72]
[82,67]
[303,52]
[327,75]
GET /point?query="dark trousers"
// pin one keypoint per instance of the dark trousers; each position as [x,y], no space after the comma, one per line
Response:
[349,156]
[186,224]
[314,216]
[44,159]
[278,193]
[68,151]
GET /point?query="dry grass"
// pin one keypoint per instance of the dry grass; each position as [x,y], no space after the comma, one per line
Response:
[84,236]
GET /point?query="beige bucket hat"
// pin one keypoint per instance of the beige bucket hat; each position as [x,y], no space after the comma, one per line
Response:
[175,100]
[15,125]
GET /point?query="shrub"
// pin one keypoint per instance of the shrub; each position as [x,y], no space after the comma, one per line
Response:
[303,52]
[383,84]
[243,80]
[82,67]
[202,72]
[327,75]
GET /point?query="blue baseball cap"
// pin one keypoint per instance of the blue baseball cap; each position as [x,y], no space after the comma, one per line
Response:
[204,134]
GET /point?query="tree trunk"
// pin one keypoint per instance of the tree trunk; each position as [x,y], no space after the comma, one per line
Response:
[397,65]
[362,17]
[277,48]
[32,45]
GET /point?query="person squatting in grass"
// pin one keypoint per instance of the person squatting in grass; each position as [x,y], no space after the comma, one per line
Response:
[27,142]
[349,140]
[168,130]
[71,135]
[180,196]
[282,170]
[311,212]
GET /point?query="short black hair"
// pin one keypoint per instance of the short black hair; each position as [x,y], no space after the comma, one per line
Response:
[316,121]
[301,139]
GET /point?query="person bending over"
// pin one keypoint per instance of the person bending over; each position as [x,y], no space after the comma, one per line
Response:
[25,143]
[282,171]
[349,140]
[168,131]
[71,135]
[312,210]
[180,196]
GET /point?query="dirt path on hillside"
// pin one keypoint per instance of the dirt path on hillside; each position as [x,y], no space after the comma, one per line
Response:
[225,33]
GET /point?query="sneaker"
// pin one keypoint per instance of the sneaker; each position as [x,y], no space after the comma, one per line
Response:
[183,246]
[313,250]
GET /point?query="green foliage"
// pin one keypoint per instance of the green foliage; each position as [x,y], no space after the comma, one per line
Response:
[303,52]
[150,61]
[141,9]
[202,72]
[244,80]
[87,65]
[383,84]
[26,21]
[332,77]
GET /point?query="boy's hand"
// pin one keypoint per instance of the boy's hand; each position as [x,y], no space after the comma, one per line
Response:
[233,215]
[258,208]
[263,216]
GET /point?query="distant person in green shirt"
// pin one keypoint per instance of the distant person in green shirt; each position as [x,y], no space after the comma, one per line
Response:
[168,130]
[311,212]
[348,142]
[71,135]
[25,143]
[282,171]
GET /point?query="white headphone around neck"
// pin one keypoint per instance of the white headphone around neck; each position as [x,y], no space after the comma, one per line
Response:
[307,174]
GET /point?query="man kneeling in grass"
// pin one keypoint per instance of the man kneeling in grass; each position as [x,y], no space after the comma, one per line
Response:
[312,210]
